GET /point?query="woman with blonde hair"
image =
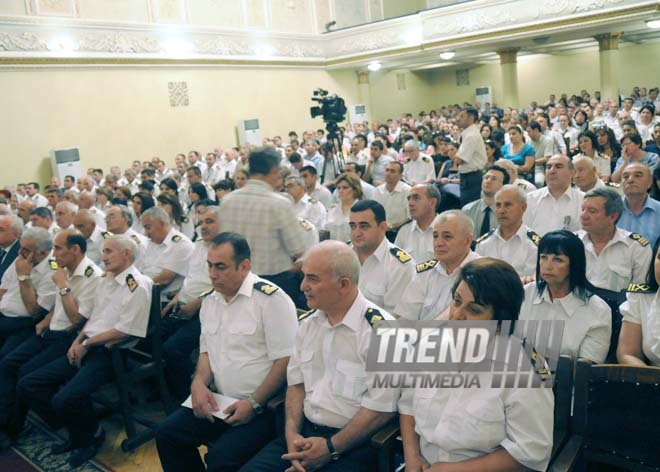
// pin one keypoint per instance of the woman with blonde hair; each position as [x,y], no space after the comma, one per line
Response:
[349,191]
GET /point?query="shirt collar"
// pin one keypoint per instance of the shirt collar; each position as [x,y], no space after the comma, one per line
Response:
[570,303]
[520,234]
[121,277]
[381,250]
[80,270]
[259,183]
[471,255]
[352,317]
[168,239]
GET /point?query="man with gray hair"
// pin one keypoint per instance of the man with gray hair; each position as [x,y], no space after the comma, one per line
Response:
[11,228]
[86,201]
[511,168]
[512,241]
[586,173]
[616,258]
[327,425]
[119,220]
[60,391]
[27,291]
[306,207]
[85,223]
[64,213]
[416,236]
[417,169]
[429,292]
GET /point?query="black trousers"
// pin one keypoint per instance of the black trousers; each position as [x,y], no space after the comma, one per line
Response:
[13,331]
[359,459]
[27,357]
[177,351]
[290,283]
[71,405]
[179,436]
[470,186]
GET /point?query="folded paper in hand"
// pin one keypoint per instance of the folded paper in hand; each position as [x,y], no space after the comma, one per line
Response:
[223,402]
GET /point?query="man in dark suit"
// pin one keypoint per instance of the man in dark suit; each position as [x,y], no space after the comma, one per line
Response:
[11,228]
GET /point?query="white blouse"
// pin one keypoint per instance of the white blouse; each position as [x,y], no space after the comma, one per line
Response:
[337,223]
[644,309]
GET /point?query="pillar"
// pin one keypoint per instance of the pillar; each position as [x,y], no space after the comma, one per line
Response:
[509,68]
[364,91]
[608,55]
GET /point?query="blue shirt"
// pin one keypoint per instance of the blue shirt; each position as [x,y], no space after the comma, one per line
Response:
[518,159]
[649,159]
[647,223]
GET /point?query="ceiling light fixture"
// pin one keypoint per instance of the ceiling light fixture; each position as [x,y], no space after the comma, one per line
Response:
[655,24]
[447,55]
[374,66]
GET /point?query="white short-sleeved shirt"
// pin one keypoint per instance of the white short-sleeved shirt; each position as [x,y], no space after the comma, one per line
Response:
[644,309]
[378,168]
[12,304]
[337,223]
[310,233]
[83,284]
[419,171]
[172,254]
[99,217]
[197,280]
[245,336]
[417,243]
[524,185]
[331,360]
[472,150]
[429,292]
[624,260]
[587,325]
[139,239]
[457,424]
[95,246]
[385,274]
[123,303]
[322,194]
[394,202]
[312,210]
[519,251]
[545,213]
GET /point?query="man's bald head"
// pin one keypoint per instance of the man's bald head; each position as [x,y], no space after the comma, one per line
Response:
[84,222]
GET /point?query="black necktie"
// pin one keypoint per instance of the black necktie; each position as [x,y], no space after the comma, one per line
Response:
[485,224]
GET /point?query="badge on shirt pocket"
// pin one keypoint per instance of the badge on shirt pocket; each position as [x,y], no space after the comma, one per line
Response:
[351,380]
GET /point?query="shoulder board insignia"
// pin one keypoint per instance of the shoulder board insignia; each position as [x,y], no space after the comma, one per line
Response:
[313,200]
[639,238]
[53,264]
[425,159]
[484,236]
[305,314]
[89,271]
[136,239]
[373,316]
[424,266]
[539,365]
[184,219]
[533,236]
[265,288]
[176,238]
[205,293]
[104,274]
[407,160]
[131,283]
[56,230]
[105,234]
[401,255]
[306,225]
[613,184]
[92,211]
[639,288]
[522,186]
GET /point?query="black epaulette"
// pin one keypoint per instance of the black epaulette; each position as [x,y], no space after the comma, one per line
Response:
[305,314]
[539,364]
[640,288]
[105,234]
[306,225]
[401,255]
[53,264]
[424,266]
[639,238]
[136,239]
[536,239]
[373,316]
[176,238]
[184,219]
[89,271]
[425,159]
[484,236]
[131,283]
[522,186]
[266,288]
[206,293]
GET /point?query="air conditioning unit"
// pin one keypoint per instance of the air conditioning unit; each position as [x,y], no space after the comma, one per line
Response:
[249,132]
[358,113]
[484,95]
[66,162]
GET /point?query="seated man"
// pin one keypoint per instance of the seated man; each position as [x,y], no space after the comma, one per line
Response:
[393,195]
[76,279]
[119,220]
[314,189]
[42,217]
[481,210]
[11,228]
[64,213]
[86,201]
[85,222]
[27,291]
[429,292]
[416,236]
[332,408]
[306,207]
[248,327]
[60,391]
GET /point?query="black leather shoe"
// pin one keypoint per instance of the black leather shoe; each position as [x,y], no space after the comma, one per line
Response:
[62,448]
[84,454]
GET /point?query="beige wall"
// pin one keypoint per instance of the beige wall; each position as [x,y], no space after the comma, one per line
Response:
[117,115]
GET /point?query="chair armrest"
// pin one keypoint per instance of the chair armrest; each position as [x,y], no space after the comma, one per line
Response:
[387,433]
[567,457]
[119,343]
[276,402]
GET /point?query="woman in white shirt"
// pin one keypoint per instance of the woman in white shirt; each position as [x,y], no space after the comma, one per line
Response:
[639,342]
[562,292]
[349,191]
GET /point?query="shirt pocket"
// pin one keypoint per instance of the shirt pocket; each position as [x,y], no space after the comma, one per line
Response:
[350,381]
[622,273]
[479,425]
[210,323]
[306,361]
[375,291]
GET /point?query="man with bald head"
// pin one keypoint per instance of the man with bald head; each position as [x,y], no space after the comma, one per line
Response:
[328,429]
[11,228]
[86,201]
[429,292]
[85,223]
[23,210]
[641,213]
[64,213]
[586,174]
[557,206]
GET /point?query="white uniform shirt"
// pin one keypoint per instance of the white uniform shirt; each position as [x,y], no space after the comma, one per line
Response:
[457,424]
[95,246]
[417,243]
[394,202]
[587,325]
[99,217]
[385,275]
[644,309]
[243,337]
[310,233]
[545,213]
[519,251]
[378,168]
[429,292]
[419,171]
[337,223]
[197,280]
[322,194]
[623,261]
[226,168]
[311,210]
[472,150]
[172,254]
[122,303]
[525,185]
[12,304]
[39,200]
[330,361]
[139,239]
[83,284]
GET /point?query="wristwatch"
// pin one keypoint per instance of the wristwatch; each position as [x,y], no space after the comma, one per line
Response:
[23,278]
[258,409]
[84,343]
[64,291]
[334,455]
